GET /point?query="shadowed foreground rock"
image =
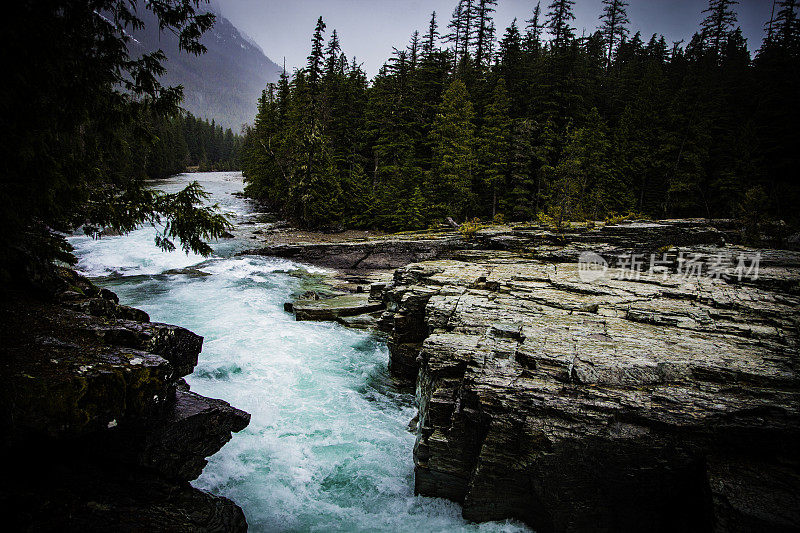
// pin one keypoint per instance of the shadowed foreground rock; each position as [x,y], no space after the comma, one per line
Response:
[101,431]
[657,402]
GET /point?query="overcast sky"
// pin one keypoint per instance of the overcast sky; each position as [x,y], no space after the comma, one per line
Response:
[368,29]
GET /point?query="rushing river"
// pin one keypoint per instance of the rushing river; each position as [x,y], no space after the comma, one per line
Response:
[327,448]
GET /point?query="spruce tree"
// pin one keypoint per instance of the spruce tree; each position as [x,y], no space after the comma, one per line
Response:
[316,58]
[485,34]
[494,144]
[533,36]
[450,180]
[592,126]
[718,24]
[614,29]
[558,21]
[432,37]
[332,53]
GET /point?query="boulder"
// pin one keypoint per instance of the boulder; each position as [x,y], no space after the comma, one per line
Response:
[103,433]
[194,428]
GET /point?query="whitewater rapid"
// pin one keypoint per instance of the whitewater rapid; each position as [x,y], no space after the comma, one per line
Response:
[327,448]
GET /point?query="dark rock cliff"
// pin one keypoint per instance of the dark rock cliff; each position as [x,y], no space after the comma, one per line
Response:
[99,430]
[656,401]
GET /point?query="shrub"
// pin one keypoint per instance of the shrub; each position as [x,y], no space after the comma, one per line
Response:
[469,228]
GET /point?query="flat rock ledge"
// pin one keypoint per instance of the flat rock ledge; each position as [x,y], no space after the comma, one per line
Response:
[391,252]
[338,308]
[103,431]
[651,402]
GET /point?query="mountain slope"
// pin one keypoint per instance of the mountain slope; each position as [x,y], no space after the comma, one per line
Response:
[224,83]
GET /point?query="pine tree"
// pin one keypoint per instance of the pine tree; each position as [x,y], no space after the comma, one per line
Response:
[558,21]
[494,144]
[450,179]
[533,36]
[719,22]
[614,18]
[485,34]
[332,52]
[315,59]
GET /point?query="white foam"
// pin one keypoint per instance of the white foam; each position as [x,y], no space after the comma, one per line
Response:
[129,255]
[327,447]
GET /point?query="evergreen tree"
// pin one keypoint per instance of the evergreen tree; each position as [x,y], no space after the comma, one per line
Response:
[558,21]
[718,24]
[432,37]
[533,36]
[495,144]
[582,184]
[614,18]
[315,59]
[485,33]
[332,53]
[413,50]
[450,179]
[463,29]
[787,24]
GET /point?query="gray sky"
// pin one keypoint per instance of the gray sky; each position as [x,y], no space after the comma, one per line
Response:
[369,29]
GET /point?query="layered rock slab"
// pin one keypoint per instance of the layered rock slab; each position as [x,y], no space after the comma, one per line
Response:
[346,305]
[602,406]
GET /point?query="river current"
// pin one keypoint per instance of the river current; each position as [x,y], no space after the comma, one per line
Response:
[327,448]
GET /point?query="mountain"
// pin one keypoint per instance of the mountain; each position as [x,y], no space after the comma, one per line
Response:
[224,83]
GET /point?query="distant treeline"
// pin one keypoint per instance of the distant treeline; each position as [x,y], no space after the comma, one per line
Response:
[541,121]
[185,141]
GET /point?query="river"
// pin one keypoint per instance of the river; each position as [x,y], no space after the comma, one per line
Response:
[327,448]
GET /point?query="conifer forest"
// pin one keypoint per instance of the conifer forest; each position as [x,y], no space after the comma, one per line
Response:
[536,120]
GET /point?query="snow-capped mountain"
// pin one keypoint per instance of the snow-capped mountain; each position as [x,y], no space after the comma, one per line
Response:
[224,83]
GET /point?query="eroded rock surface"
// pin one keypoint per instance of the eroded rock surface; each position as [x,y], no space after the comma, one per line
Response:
[363,255]
[656,401]
[102,431]
[347,305]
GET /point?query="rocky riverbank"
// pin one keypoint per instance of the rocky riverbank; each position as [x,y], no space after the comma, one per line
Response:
[654,387]
[100,428]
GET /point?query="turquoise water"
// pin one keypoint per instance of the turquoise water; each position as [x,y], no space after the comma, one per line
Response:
[327,448]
